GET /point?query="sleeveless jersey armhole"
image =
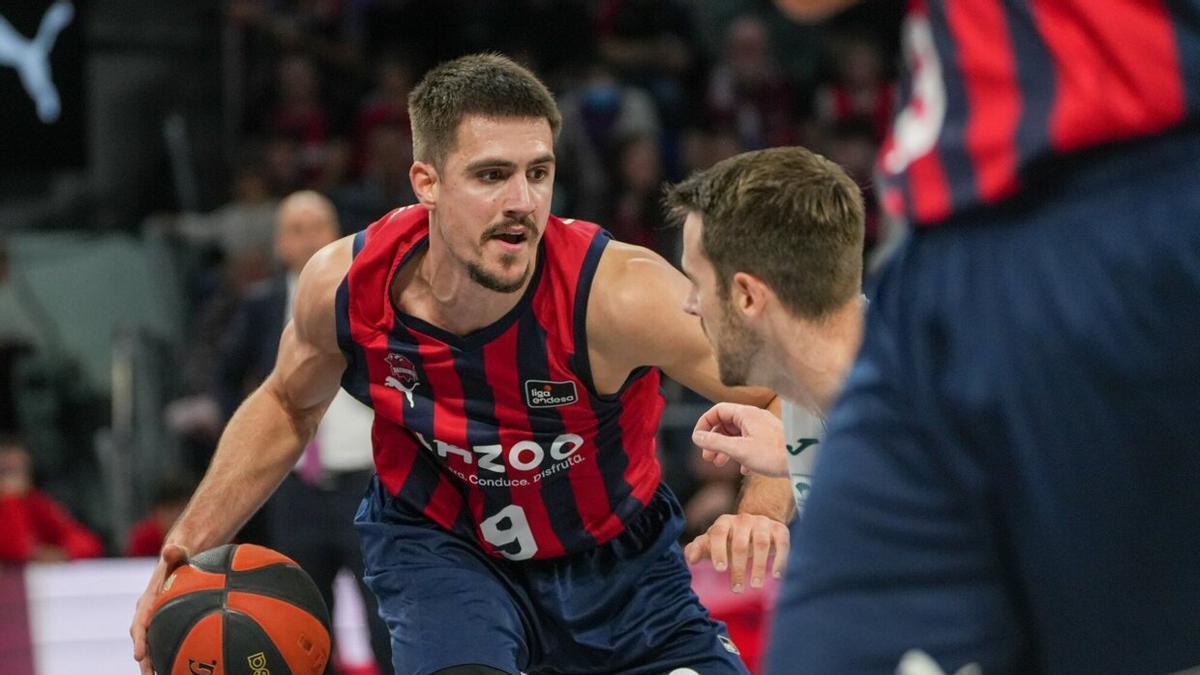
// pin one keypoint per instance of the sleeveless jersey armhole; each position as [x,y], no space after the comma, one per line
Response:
[581,362]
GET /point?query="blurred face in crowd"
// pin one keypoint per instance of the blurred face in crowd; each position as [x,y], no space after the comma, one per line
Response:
[490,199]
[16,469]
[734,343]
[304,223]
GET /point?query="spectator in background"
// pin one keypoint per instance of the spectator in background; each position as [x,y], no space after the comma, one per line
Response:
[146,537]
[595,116]
[748,91]
[386,105]
[637,216]
[310,516]
[36,527]
[299,113]
[850,143]
[384,184]
[860,87]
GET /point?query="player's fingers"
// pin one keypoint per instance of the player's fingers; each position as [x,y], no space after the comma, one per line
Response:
[782,541]
[719,459]
[709,455]
[720,415]
[760,548]
[739,555]
[715,442]
[718,543]
[695,551]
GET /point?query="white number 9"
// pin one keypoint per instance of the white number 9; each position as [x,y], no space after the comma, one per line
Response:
[507,526]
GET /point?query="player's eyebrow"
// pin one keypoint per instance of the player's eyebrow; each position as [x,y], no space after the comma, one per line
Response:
[498,163]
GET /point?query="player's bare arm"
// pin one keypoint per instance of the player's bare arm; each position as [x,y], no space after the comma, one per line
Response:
[266,435]
[637,320]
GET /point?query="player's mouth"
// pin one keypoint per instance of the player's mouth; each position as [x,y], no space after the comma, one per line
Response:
[512,237]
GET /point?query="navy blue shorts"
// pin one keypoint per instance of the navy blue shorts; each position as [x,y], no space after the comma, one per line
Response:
[1012,474]
[625,607]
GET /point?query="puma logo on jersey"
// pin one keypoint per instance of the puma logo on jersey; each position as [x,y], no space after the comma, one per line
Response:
[403,377]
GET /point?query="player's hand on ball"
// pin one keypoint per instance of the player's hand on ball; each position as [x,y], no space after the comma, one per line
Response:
[172,557]
[738,541]
[748,435]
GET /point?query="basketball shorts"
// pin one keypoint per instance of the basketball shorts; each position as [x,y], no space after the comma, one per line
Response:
[624,607]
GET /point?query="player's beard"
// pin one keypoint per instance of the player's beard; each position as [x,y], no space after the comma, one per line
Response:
[737,346]
[494,283]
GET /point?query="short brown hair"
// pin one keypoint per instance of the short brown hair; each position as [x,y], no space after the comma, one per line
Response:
[786,215]
[479,84]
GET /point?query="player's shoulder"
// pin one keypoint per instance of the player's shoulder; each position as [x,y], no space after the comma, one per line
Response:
[631,285]
[325,270]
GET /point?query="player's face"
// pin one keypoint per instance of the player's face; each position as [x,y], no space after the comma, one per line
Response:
[494,197]
[734,344]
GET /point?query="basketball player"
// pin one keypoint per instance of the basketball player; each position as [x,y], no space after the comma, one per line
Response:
[1009,477]
[772,245]
[517,523]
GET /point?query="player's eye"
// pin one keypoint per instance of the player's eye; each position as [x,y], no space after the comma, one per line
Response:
[539,174]
[491,175]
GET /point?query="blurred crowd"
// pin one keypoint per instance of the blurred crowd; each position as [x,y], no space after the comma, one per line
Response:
[650,90]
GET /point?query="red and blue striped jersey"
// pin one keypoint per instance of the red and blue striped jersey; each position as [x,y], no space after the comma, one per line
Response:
[998,89]
[499,434]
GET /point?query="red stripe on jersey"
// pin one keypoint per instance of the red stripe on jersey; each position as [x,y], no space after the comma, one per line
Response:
[587,483]
[449,422]
[644,472]
[928,188]
[1116,66]
[985,57]
[510,407]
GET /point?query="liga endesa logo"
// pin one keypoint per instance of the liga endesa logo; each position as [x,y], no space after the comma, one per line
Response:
[547,394]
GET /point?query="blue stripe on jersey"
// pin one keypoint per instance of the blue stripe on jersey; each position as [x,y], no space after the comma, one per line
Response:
[558,494]
[610,446]
[360,240]
[1035,78]
[354,379]
[1185,22]
[479,409]
[591,260]
[425,474]
[952,141]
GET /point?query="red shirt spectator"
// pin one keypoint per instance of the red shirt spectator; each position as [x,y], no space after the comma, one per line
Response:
[35,526]
[146,537]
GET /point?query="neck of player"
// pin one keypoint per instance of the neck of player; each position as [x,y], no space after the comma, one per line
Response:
[816,356]
[437,288]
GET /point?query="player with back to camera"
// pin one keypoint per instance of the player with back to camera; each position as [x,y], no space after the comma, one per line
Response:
[517,522]
[1009,478]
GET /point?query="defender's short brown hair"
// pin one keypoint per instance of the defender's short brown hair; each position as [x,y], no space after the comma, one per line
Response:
[479,84]
[786,215]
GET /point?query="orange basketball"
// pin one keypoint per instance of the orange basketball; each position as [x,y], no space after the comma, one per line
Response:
[239,609]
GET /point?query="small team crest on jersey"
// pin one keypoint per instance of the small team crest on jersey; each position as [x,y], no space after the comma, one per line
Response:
[403,377]
[547,394]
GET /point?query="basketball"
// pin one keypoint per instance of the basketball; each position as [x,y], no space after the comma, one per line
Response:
[239,609]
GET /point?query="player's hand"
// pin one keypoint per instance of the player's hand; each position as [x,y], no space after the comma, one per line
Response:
[737,540]
[750,436]
[172,557]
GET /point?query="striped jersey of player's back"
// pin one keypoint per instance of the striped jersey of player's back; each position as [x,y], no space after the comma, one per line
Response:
[499,434]
[998,88]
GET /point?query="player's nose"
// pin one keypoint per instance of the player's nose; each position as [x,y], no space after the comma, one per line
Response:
[518,198]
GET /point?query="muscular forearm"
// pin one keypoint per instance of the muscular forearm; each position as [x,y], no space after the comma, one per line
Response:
[767,496]
[260,445]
